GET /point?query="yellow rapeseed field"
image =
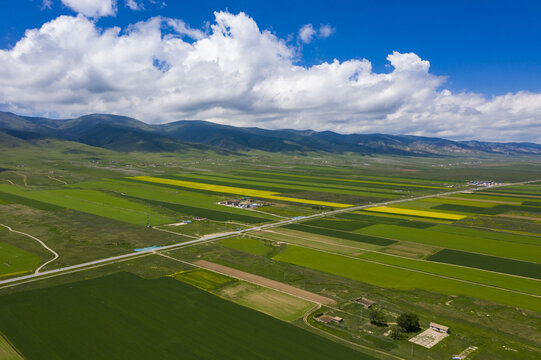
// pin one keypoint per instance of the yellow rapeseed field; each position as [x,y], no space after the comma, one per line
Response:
[424,213]
[236,190]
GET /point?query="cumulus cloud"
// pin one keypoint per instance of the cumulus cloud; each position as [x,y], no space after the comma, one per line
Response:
[325,31]
[92,8]
[239,74]
[132,4]
[306,33]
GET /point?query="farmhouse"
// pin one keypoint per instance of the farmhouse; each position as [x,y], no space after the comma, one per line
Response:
[325,319]
[439,328]
[367,303]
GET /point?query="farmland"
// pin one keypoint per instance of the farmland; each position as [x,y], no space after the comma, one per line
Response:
[15,261]
[381,275]
[454,259]
[131,326]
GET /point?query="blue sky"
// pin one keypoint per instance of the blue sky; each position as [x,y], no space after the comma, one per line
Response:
[492,47]
[455,69]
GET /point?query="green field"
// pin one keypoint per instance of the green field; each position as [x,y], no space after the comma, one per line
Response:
[274,303]
[527,252]
[492,263]
[487,234]
[93,202]
[15,261]
[122,316]
[529,286]
[7,352]
[191,199]
[340,234]
[386,276]
[246,244]
[203,279]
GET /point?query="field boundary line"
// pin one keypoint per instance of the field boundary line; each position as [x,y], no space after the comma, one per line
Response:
[202,266]
[419,271]
[389,254]
[255,228]
[172,232]
[55,254]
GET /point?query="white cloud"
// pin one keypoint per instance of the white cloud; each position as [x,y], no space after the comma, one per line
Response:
[46,4]
[183,29]
[132,4]
[306,33]
[92,8]
[325,31]
[237,74]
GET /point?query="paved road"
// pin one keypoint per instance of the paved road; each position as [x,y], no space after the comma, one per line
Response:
[113,259]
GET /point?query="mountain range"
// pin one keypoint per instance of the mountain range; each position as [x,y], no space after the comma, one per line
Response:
[126,134]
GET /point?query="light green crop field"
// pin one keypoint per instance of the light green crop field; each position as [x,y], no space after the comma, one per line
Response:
[246,244]
[529,286]
[114,208]
[527,252]
[15,261]
[399,278]
[7,352]
[274,303]
[204,279]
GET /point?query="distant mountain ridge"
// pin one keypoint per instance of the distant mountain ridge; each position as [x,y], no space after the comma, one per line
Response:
[126,134]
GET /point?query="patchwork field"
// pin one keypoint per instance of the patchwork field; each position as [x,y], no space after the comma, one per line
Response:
[388,276]
[131,325]
[470,261]
[518,251]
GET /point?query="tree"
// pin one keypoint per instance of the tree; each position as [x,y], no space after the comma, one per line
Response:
[408,322]
[377,317]
[398,334]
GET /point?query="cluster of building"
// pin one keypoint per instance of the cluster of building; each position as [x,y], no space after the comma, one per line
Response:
[243,203]
[483,183]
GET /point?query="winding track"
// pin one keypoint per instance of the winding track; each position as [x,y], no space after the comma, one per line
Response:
[102,262]
[55,254]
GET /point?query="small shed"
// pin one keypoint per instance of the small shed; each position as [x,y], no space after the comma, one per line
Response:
[325,318]
[367,303]
[439,328]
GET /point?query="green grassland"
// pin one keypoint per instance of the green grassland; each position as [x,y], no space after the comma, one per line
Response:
[399,278]
[527,252]
[246,244]
[492,263]
[77,236]
[15,261]
[150,319]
